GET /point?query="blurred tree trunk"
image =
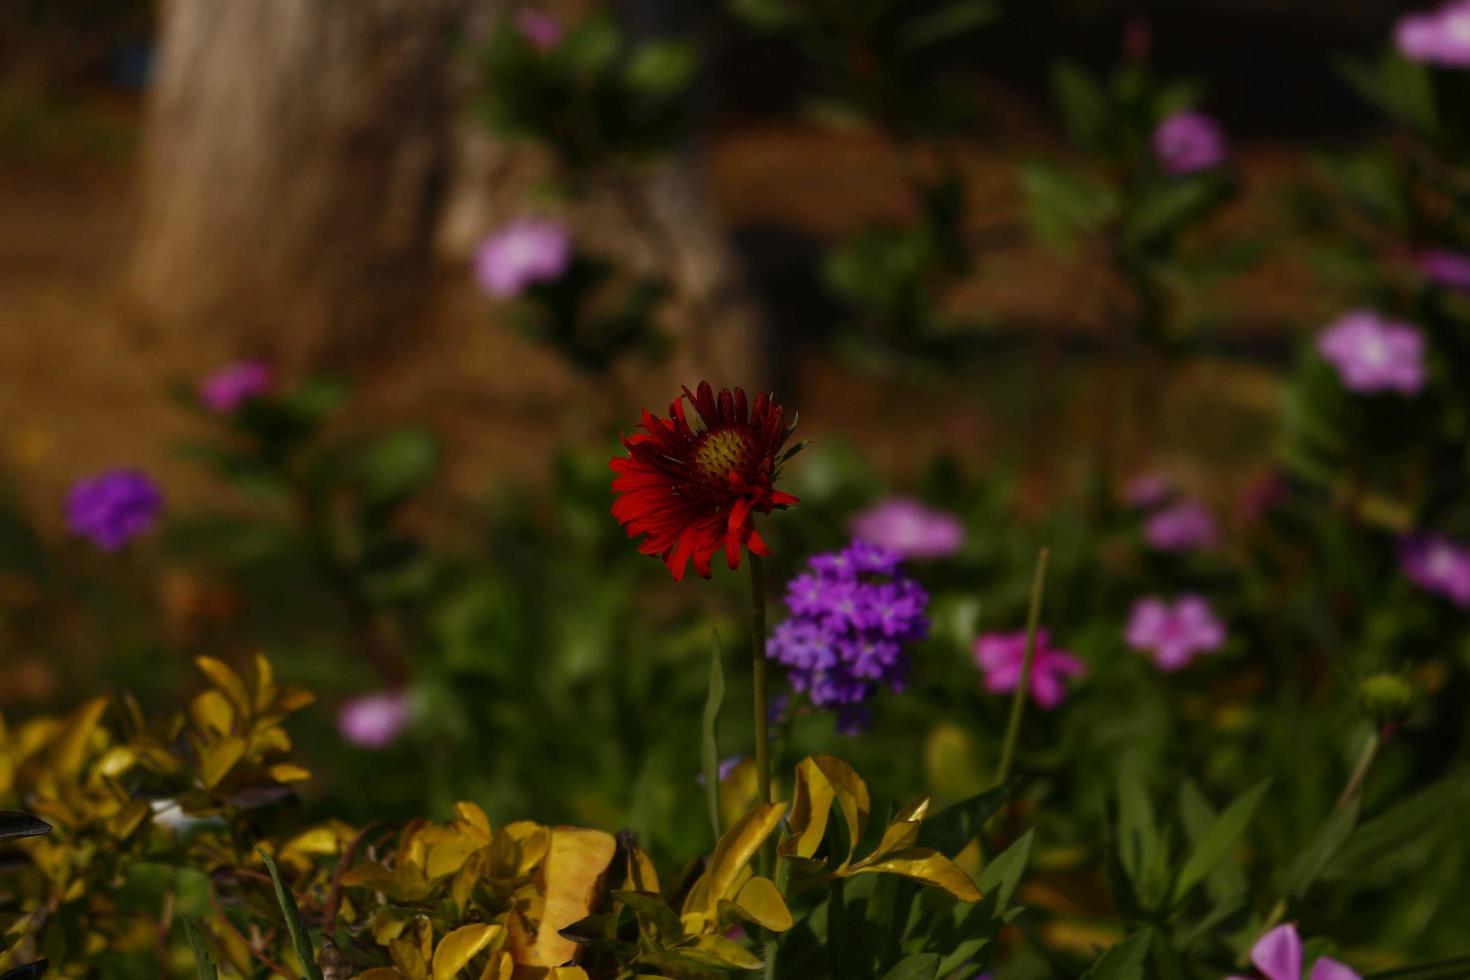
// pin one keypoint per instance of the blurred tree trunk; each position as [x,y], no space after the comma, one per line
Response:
[295,156]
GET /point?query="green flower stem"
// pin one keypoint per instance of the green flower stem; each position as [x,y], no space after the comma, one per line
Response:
[758,675]
[1018,699]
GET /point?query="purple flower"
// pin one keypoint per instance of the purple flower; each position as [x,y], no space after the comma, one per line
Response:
[373,721]
[1373,354]
[909,529]
[852,613]
[1278,956]
[1187,142]
[1446,268]
[1002,655]
[524,252]
[1175,634]
[1439,565]
[1438,37]
[1181,527]
[540,28]
[722,772]
[113,507]
[232,386]
[1149,490]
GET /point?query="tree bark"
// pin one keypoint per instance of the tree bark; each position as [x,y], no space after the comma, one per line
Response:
[295,156]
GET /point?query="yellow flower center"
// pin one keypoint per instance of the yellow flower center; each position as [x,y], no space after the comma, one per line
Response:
[720,452]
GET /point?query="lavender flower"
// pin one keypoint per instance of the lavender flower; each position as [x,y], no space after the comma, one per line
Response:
[1003,655]
[1187,142]
[1278,956]
[1438,565]
[543,30]
[909,529]
[1149,490]
[374,721]
[852,614]
[1175,634]
[113,507]
[1446,268]
[1438,37]
[1373,354]
[524,252]
[232,386]
[1184,526]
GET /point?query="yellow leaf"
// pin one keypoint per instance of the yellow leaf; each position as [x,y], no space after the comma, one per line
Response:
[71,750]
[115,761]
[227,681]
[567,973]
[760,901]
[122,823]
[719,950]
[265,683]
[925,865]
[739,791]
[212,713]
[642,875]
[320,841]
[734,851]
[216,760]
[473,820]
[447,856]
[903,831]
[380,973]
[575,862]
[460,946]
[809,811]
[289,772]
[408,959]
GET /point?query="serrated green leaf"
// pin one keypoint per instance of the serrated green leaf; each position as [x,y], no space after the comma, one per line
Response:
[1215,844]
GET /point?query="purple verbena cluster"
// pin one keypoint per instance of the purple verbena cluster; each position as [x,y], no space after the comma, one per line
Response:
[852,613]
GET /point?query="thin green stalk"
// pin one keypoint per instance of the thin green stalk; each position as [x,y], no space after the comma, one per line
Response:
[836,929]
[1023,686]
[758,675]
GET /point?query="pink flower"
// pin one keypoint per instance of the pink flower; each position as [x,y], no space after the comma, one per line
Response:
[1002,656]
[373,721]
[1189,141]
[1446,268]
[1175,634]
[909,529]
[1374,354]
[540,28]
[524,252]
[1439,565]
[1438,37]
[230,387]
[1278,956]
[1149,490]
[1181,527]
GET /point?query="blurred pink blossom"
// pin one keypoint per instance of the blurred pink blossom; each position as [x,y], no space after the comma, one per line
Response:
[374,721]
[1374,354]
[1183,526]
[523,252]
[1439,565]
[1003,655]
[909,529]
[1189,141]
[1174,633]
[542,29]
[227,389]
[1278,956]
[1436,37]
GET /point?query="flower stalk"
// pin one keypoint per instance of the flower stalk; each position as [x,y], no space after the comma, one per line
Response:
[1018,699]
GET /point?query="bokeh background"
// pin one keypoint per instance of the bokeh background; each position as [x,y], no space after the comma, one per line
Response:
[932,228]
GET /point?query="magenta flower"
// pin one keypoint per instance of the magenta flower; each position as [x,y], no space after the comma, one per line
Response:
[1374,354]
[1149,490]
[1438,565]
[1174,633]
[113,507]
[1278,956]
[1437,37]
[1184,526]
[909,529]
[1003,655]
[1187,142]
[1446,268]
[374,721]
[524,252]
[543,30]
[227,389]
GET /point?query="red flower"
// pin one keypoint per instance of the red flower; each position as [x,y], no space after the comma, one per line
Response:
[691,491]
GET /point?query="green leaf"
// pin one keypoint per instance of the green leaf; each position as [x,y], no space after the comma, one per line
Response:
[951,829]
[13,824]
[1215,844]
[768,15]
[396,464]
[1141,846]
[920,966]
[1082,103]
[1400,87]
[202,960]
[1169,208]
[1123,961]
[1407,831]
[300,938]
[1061,206]
[1454,968]
[1003,873]
[661,67]
[949,21]
[709,745]
[655,909]
[1321,848]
